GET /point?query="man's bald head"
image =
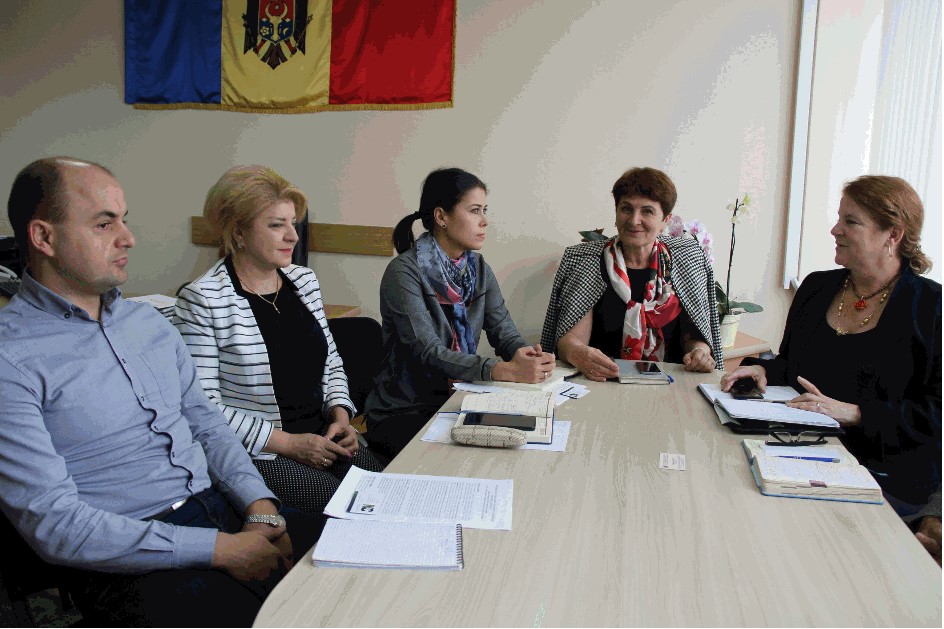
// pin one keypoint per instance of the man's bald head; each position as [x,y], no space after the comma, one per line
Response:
[40,191]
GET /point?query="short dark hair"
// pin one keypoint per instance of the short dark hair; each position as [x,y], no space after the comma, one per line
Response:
[647,182]
[443,188]
[39,192]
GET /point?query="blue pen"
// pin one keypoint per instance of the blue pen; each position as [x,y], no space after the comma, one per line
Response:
[810,458]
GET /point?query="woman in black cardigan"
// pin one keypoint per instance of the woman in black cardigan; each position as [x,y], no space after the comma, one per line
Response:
[864,342]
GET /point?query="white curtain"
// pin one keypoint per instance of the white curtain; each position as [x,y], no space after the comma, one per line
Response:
[906,137]
[874,106]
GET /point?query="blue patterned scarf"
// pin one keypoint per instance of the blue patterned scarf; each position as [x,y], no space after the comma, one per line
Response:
[454,284]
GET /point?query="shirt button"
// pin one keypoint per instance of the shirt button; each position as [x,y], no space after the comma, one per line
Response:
[68,315]
[154,428]
[190,484]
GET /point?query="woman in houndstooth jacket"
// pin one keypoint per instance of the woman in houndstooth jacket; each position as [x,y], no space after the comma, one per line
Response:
[637,296]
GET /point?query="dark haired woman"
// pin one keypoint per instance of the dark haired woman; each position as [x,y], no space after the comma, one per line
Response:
[638,295]
[436,297]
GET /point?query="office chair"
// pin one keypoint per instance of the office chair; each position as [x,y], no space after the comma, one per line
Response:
[300,253]
[23,573]
[358,340]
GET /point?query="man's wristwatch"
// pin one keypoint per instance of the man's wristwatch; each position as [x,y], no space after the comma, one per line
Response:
[264,518]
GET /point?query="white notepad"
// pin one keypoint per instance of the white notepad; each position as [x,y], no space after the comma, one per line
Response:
[391,545]
[752,409]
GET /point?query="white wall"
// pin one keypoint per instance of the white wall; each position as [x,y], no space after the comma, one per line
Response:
[553,101]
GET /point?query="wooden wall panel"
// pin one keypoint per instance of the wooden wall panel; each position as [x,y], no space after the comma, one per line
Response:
[367,240]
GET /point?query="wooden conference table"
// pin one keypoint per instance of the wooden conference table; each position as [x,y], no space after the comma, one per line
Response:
[603,537]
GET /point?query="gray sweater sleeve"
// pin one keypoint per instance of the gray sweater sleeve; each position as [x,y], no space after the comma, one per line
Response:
[410,305]
[499,328]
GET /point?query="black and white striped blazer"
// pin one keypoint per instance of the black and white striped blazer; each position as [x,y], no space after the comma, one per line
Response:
[218,326]
[579,285]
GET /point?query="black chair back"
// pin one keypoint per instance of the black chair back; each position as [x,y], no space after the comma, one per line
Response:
[300,253]
[358,340]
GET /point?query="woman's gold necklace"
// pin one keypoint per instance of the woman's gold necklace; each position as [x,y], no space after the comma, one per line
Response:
[278,285]
[865,322]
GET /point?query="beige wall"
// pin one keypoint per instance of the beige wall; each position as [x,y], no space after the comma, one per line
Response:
[553,101]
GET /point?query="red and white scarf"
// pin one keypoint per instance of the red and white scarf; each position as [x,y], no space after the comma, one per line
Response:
[643,322]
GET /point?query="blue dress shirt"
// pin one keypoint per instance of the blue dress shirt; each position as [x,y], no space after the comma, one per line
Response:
[103,424]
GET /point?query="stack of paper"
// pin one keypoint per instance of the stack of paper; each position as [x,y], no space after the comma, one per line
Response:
[163,303]
[380,544]
[775,413]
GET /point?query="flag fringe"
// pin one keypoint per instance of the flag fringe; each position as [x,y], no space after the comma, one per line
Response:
[298,110]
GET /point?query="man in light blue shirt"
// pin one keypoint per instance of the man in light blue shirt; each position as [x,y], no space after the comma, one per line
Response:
[115,464]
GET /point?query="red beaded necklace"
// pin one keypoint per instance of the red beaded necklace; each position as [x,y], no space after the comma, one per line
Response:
[862,300]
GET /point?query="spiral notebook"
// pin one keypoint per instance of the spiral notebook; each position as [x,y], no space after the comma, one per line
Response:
[390,545]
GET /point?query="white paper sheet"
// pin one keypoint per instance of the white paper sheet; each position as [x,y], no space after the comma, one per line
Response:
[779,394]
[669,461]
[439,432]
[776,413]
[562,391]
[380,544]
[156,300]
[568,391]
[476,503]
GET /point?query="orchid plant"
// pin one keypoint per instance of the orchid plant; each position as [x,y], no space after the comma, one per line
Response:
[726,305]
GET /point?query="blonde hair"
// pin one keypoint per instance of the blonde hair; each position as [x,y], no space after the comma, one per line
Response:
[892,202]
[240,195]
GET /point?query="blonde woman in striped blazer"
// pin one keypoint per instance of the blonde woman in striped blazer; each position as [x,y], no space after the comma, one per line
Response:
[256,328]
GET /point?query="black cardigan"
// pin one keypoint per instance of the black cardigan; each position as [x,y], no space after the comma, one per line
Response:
[892,372]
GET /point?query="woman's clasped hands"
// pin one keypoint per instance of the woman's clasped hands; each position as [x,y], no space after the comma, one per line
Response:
[316,451]
[529,364]
[339,443]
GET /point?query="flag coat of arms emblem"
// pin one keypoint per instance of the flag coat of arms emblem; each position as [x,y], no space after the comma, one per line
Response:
[273,29]
[289,56]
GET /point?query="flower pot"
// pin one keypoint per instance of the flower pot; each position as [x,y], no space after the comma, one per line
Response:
[729,329]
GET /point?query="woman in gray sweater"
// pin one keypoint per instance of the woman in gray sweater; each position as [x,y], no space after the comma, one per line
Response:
[436,297]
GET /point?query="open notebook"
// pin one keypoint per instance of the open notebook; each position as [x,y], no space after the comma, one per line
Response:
[392,545]
[538,405]
[763,416]
[839,479]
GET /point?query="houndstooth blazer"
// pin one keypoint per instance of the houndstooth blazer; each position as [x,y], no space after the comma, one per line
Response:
[579,285]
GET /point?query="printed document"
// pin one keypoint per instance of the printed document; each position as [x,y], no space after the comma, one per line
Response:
[476,503]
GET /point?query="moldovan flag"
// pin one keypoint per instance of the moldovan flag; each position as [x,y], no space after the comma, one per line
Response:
[289,56]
